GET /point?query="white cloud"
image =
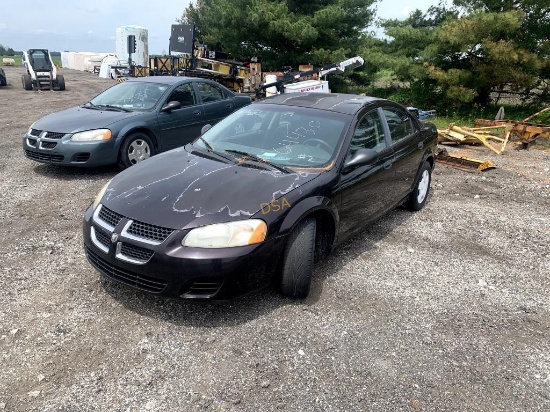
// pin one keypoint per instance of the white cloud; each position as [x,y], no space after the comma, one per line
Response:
[405,11]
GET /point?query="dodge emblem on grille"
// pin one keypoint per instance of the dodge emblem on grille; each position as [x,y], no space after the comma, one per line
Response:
[114,237]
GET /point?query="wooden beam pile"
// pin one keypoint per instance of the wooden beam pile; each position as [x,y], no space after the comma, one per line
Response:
[525,131]
[474,136]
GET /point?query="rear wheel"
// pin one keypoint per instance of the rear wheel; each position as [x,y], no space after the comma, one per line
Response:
[136,148]
[27,81]
[419,195]
[61,82]
[298,259]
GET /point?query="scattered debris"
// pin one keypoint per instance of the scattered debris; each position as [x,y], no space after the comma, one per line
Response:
[481,135]
[463,163]
[422,114]
[524,131]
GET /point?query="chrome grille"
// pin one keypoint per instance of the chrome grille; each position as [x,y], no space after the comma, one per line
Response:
[48,145]
[107,215]
[136,252]
[31,142]
[35,132]
[54,135]
[151,232]
[102,238]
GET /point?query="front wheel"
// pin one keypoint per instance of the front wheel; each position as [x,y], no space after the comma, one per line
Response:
[27,81]
[136,148]
[61,82]
[419,195]
[298,259]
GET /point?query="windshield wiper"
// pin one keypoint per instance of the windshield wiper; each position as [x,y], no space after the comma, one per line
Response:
[90,105]
[111,107]
[211,150]
[208,145]
[259,160]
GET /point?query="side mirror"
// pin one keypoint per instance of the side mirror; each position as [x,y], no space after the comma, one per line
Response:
[362,157]
[205,128]
[172,105]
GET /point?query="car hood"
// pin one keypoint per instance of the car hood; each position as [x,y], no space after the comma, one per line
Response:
[180,190]
[78,119]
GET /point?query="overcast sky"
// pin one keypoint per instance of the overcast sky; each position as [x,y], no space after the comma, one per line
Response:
[78,25]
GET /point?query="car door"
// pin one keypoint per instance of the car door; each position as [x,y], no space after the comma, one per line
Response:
[366,192]
[216,102]
[181,126]
[407,145]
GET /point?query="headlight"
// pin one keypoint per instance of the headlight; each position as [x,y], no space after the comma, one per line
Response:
[100,194]
[90,135]
[231,234]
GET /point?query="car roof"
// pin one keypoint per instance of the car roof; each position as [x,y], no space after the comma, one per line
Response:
[163,79]
[335,102]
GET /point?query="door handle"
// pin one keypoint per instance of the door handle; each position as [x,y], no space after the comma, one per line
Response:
[420,145]
[229,106]
[388,164]
[197,112]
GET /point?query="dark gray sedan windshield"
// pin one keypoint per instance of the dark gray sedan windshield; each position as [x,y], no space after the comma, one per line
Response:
[285,135]
[130,96]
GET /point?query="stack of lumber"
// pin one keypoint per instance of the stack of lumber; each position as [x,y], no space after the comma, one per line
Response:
[474,136]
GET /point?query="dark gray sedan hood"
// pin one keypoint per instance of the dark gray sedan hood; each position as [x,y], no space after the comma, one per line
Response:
[180,190]
[78,119]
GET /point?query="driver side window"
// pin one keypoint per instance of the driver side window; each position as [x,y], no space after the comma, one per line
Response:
[185,94]
[369,133]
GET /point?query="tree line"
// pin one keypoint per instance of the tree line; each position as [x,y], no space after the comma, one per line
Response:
[458,53]
[7,51]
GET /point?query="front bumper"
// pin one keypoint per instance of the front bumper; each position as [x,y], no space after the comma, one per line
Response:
[58,148]
[169,269]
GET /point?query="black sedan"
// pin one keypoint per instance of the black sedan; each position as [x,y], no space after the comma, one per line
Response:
[260,196]
[131,122]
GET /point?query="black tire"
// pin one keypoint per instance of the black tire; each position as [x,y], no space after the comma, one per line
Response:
[2,81]
[419,195]
[61,82]
[128,156]
[298,260]
[27,81]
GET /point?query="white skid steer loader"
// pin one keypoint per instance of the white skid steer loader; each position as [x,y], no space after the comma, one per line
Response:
[41,72]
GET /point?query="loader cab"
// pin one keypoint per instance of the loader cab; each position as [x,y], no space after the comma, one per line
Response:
[39,59]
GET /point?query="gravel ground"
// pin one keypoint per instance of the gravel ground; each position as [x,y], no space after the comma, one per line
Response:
[445,309]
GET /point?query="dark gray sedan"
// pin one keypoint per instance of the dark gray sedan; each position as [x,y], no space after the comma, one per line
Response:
[131,122]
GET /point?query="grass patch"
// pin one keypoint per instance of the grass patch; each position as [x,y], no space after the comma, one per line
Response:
[19,62]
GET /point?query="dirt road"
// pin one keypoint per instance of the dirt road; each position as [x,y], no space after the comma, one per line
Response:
[445,309]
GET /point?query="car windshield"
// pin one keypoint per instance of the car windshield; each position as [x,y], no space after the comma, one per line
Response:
[285,135]
[130,96]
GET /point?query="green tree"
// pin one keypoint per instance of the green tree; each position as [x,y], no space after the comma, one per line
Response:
[282,33]
[461,54]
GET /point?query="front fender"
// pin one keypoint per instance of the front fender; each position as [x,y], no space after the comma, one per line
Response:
[137,125]
[306,207]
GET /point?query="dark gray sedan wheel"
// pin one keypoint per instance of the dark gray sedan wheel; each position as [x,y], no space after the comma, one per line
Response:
[136,148]
[298,260]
